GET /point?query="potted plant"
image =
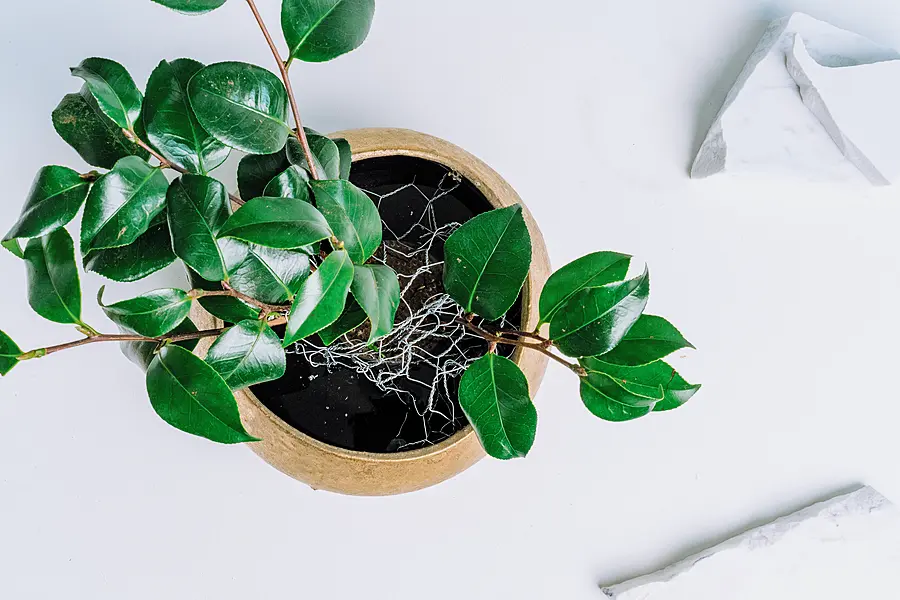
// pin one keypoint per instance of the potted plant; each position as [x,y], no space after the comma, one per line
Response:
[372,313]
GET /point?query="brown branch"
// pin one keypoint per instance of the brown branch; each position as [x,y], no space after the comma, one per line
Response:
[230,291]
[283,68]
[125,337]
[543,347]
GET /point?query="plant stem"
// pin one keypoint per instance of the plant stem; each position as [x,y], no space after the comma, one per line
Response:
[543,347]
[283,68]
[178,337]
[229,291]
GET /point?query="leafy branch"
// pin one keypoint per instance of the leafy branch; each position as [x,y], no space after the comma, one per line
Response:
[283,69]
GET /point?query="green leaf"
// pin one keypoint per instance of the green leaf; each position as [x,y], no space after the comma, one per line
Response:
[242,106]
[122,204]
[189,395]
[657,380]
[636,390]
[142,353]
[277,223]
[352,215]
[152,314]
[328,155]
[321,298]
[191,7]
[9,353]
[54,199]
[650,339]
[595,320]
[493,392]
[648,381]
[198,207]
[487,261]
[593,270]
[320,30]
[678,392]
[255,171]
[230,310]
[247,354]
[377,290]
[113,88]
[151,252]
[352,317]
[14,247]
[606,408]
[346,156]
[293,182]
[267,274]
[172,128]
[95,137]
[54,291]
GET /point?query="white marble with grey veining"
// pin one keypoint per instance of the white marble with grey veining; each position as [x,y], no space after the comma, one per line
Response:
[846,547]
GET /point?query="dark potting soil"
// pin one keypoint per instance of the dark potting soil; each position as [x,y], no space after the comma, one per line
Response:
[341,407]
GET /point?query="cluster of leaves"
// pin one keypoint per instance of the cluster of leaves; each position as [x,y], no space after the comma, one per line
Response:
[594,315]
[294,251]
[297,250]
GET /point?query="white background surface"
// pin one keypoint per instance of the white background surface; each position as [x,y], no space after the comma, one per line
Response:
[592,109]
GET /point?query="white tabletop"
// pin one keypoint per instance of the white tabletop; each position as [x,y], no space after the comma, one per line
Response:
[592,109]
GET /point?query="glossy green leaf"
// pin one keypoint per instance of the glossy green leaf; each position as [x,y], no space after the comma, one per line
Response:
[650,339]
[142,353]
[54,199]
[647,381]
[230,310]
[588,271]
[191,396]
[54,290]
[14,248]
[191,7]
[293,182]
[320,30]
[377,290]
[632,390]
[242,106]
[352,317]
[9,352]
[113,88]
[150,253]
[321,299]
[595,320]
[152,314]
[493,392]
[172,128]
[122,204]
[346,157]
[247,354]
[606,408]
[277,223]
[256,171]
[328,155]
[267,274]
[198,207]
[94,136]
[678,392]
[297,156]
[352,215]
[487,261]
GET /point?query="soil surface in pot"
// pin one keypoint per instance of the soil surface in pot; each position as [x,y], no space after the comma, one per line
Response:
[330,400]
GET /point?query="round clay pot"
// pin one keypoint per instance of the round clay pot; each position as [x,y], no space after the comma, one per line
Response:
[327,467]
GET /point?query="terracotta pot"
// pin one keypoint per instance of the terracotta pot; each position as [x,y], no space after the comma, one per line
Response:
[367,474]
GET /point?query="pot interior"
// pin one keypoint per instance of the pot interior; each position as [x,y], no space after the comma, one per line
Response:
[330,395]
